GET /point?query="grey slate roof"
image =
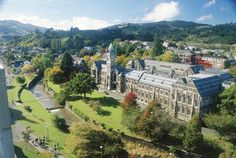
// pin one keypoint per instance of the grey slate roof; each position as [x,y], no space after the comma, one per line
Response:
[169,66]
[135,75]
[208,86]
[157,81]
[152,80]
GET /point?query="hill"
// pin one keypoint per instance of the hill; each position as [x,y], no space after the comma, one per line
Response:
[172,30]
[11,28]
[178,31]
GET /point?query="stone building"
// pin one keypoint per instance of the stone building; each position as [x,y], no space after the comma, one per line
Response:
[6,141]
[107,74]
[183,90]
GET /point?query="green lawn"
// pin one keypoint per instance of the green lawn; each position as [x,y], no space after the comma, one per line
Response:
[23,151]
[111,106]
[38,119]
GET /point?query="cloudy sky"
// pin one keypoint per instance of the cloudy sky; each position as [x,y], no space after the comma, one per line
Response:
[95,14]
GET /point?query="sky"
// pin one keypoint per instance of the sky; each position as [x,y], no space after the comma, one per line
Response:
[96,14]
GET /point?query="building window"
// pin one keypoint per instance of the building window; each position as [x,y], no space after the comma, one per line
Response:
[173,96]
[189,100]
[184,99]
[178,109]
[165,101]
[172,106]
[179,97]
[183,110]
[188,111]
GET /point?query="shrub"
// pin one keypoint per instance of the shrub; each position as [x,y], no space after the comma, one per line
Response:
[61,98]
[20,79]
[28,108]
[59,123]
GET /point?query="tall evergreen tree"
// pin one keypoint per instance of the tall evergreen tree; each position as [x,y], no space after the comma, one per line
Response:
[66,64]
[157,46]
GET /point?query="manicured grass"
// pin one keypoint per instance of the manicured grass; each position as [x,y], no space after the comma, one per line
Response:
[109,105]
[23,152]
[38,119]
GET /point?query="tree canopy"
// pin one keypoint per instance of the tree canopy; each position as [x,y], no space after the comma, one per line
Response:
[66,64]
[82,83]
[193,137]
[227,101]
[86,140]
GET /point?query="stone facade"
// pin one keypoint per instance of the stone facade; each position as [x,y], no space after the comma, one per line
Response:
[182,90]
[6,141]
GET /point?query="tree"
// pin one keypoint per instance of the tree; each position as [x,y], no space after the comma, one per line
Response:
[130,100]
[41,63]
[232,71]
[223,123]
[56,75]
[82,83]
[87,58]
[227,101]
[153,122]
[27,68]
[193,137]
[157,46]
[85,141]
[226,64]
[169,56]
[129,118]
[61,97]
[20,79]
[59,123]
[96,57]
[131,111]
[66,64]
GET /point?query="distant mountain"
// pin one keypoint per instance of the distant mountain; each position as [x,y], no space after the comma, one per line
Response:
[11,28]
[166,30]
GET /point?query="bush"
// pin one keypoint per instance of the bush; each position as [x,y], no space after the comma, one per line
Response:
[20,79]
[61,98]
[59,123]
[28,108]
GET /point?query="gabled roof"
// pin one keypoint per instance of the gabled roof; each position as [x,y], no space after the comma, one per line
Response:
[206,84]
[157,81]
[135,75]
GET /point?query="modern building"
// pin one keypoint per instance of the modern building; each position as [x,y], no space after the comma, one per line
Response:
[6,140]
[183,90]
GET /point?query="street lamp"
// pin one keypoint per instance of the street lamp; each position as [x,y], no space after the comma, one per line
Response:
[101,150]
[47,133]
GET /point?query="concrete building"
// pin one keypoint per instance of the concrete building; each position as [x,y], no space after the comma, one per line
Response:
[6,140]
[183,90]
